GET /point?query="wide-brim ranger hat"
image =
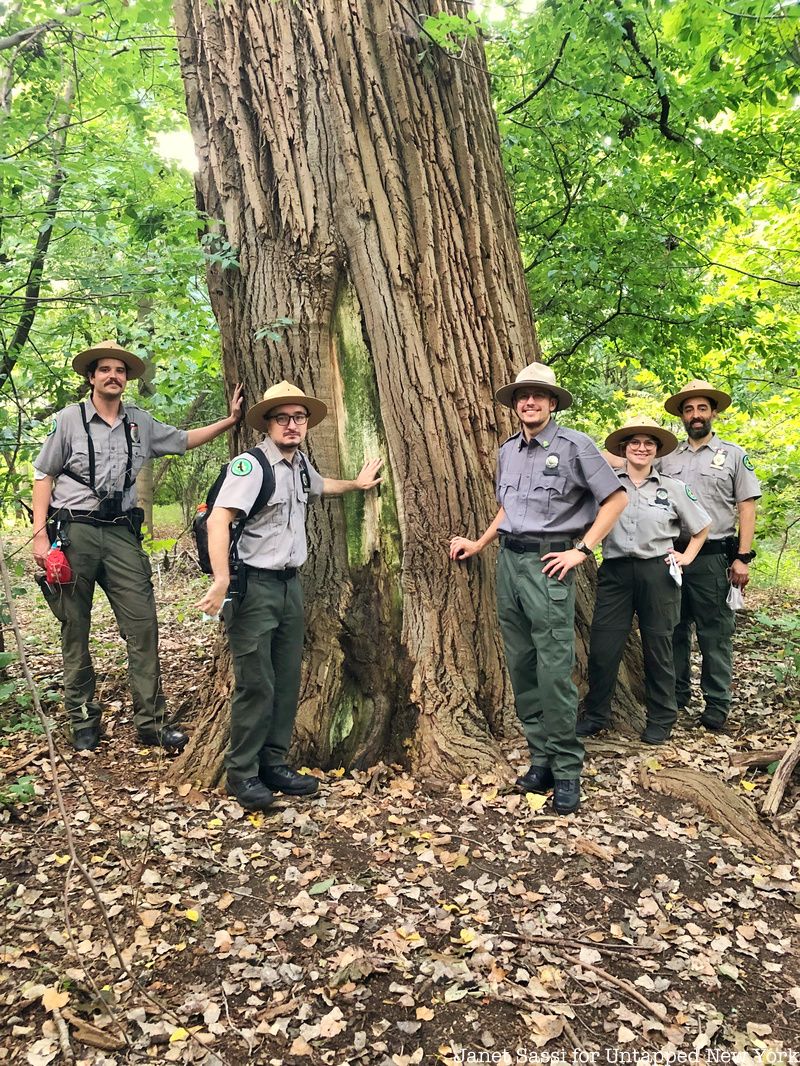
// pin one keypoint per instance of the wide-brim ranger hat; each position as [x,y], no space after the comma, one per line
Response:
[134,364]
[277,396]
[697,388]
[534,374]
[667,442]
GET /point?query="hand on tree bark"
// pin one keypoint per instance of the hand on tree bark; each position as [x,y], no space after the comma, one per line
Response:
[461,548]
[235,412]
[367,476]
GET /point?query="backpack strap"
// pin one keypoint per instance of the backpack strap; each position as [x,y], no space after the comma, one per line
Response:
[261,500]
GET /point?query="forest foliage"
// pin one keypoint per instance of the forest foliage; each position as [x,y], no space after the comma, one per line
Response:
[652,149]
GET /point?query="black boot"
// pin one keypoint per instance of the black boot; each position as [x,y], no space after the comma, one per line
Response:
[165,736]
[252,794]
[567,795]
[538,779]
[86,738]
[589,727]
[656,734]
[282,779]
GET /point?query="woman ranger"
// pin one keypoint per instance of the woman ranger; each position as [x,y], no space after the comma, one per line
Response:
[640,574]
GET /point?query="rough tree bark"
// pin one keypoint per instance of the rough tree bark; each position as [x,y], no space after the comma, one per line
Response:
[355,169]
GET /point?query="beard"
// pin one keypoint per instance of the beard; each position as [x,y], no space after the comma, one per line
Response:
[698,428]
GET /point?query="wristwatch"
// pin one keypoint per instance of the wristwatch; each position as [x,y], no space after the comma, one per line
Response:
[582,546]
[746,557]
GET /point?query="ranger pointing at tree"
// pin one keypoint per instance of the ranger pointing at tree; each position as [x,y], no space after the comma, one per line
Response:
[263,612]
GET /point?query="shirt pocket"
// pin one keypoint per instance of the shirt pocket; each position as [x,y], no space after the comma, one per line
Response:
[78,462]
[715,484]
[509,489]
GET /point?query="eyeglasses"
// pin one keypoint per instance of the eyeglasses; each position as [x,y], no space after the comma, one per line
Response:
[647,445]
[284,420]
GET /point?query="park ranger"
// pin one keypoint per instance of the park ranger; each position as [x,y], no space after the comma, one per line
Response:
[635,577]
[722,476]
[263,611]
[554,489]
[84,495]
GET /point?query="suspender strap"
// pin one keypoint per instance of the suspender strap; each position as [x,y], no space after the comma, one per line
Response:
[90,484]
[90,445]
[129,441]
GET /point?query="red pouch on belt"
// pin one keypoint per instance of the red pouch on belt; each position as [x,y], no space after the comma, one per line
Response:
[57,568]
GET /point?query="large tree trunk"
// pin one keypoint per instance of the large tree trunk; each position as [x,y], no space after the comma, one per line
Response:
[361,188]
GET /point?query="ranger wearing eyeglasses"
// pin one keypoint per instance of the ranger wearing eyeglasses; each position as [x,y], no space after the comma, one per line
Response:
[264,620]
[635,578]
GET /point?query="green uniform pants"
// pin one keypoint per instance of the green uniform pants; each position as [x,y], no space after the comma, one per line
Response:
[705,589]
[265,632]
[625,587]
[537,620]
[109,556]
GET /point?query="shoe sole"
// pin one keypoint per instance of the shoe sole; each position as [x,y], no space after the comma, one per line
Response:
[292,791]
[255,807]
[542,791]
[566,810]
[167,747]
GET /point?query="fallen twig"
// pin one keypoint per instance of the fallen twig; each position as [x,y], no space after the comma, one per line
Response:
[780,779]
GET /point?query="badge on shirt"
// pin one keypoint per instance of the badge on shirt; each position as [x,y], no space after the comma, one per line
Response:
[241,467]
[719,458]
[747,462]
[551,465]
[662,497]
[54,427]
[134,432]
[690,494]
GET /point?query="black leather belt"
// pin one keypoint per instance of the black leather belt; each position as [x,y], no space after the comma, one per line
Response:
[89,518]
[541,547]
[714,547]
[272,575]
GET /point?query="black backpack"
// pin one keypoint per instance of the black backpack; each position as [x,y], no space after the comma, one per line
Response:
[200,521]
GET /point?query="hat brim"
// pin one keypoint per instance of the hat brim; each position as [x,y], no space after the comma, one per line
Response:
[134,364]
[505,395]
[674,403]
[256,417]
[667,442]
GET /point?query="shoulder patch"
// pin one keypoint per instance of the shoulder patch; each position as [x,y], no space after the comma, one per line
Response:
[53,428]
[747,462]
[242,466]
[691,494]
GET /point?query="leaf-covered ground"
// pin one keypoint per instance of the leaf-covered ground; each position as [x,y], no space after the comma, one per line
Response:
[378,923]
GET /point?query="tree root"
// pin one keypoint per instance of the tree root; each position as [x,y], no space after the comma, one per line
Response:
[719,802]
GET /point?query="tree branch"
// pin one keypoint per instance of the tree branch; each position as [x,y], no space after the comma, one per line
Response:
[34,282]
[22,36]
[545,80]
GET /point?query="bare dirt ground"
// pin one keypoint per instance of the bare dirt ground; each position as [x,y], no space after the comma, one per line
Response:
[377,923]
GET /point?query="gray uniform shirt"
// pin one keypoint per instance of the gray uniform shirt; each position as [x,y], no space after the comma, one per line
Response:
[275,538]
[553,485]
[720,474]
[67,446]
[652,521]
